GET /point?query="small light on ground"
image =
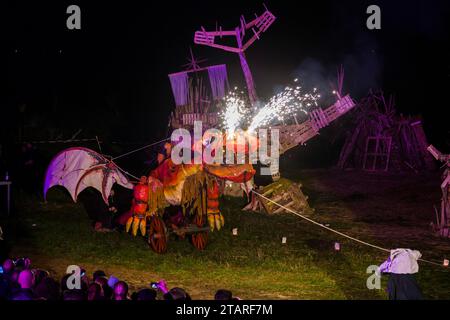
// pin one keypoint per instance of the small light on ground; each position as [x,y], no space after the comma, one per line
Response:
[283,240]
[235,232]
[446,262]
[337,246]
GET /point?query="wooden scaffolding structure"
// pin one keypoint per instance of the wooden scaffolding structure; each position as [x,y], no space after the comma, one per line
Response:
[381,140]
[443,219]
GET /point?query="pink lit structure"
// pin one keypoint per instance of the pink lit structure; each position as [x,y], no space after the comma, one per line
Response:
[196,100]
[255,27]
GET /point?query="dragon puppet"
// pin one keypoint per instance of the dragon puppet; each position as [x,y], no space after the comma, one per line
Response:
[193,187]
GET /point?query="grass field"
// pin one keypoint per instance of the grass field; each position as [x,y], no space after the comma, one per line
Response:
[390,211]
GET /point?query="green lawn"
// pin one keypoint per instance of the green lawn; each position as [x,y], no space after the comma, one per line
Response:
[385,210]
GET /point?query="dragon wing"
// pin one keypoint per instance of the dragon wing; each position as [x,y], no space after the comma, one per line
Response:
[79,168]
[102,177]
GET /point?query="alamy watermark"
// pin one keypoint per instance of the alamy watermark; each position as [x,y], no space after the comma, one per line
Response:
[374,20]
[214,147]
[73,21]
[374,280]
[74,280]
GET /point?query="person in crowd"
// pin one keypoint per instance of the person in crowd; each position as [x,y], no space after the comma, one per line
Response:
[84,282]
[22,295]
[223,294]
[25,284]
[20,282]
[39,276]
[4,288]
[177,294]
[26,280]
[74,295]
[106,289]
[47,289]
[94,292]
[13,280]
[8,266]
[98,274]
[112,281]
[145,295]
[84,279]
[63,283]
[120,291]
[22,264]
[172,294]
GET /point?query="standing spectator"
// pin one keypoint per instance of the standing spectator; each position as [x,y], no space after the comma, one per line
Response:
[401,267]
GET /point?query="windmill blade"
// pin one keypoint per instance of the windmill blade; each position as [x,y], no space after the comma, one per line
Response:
[207,39]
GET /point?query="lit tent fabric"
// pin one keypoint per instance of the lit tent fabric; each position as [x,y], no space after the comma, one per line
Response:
[180,89]
[218,79]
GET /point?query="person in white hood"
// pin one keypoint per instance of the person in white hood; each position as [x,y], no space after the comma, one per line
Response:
[401,266]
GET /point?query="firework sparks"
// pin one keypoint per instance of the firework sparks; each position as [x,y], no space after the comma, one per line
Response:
[235,112]
[279,108]
[284,105]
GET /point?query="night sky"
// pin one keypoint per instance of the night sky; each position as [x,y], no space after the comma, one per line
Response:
[110,77]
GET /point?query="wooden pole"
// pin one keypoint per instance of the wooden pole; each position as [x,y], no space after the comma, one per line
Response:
[246,69]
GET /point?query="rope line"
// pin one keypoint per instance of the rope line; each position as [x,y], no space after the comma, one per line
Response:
[333,230]
[61,141]
[139,149]
[127,173]
[98,143]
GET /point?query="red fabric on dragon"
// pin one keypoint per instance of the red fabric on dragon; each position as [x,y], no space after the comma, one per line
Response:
[239,173]
[215,218]
[173,177]
[213,198]
[139,206]
[140,194]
